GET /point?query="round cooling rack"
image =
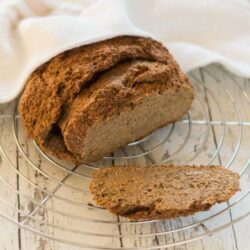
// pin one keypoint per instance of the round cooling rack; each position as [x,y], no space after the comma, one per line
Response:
[50,198]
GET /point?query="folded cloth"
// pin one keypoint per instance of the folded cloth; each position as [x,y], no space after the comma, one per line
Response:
[196,32]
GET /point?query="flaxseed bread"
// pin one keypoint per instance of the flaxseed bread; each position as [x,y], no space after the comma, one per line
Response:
[86,102]
[162,192]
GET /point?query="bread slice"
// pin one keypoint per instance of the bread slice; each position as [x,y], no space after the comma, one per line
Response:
[162,192]
[86,102]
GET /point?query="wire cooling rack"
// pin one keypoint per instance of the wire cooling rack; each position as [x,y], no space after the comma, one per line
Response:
[51,199]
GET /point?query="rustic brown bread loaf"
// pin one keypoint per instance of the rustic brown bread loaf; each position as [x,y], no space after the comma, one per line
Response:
[162,192]
[88,101]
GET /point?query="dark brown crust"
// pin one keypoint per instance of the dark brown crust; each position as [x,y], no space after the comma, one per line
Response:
[52,88]
[162,192]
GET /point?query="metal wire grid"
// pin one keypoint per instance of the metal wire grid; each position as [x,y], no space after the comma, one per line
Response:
[90,226]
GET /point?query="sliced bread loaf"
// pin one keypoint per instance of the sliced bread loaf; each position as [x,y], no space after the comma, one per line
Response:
[86,102]
[162,192]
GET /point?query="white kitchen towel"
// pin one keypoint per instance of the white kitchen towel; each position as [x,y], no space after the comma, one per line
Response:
[197,32]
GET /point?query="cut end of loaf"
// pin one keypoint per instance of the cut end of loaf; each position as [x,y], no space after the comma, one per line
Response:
[162,192]
[136,121]
[126,103]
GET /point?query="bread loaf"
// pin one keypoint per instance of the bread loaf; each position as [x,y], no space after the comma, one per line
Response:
[162,192]
[87,102]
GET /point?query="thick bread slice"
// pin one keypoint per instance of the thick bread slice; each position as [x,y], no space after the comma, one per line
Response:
[126,103]
[162,192]
[51,104]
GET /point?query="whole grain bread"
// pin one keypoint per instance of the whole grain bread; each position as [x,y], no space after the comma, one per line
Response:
[162,192]
[86,102]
